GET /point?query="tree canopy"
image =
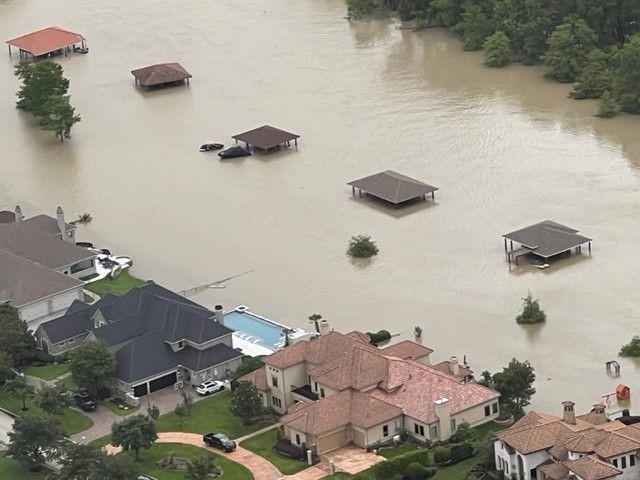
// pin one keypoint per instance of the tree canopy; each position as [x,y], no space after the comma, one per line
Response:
[515,384]
[52,400]
[15,339]
[35,440]
[134,433]
[246,402]
[92,366]
[531,311]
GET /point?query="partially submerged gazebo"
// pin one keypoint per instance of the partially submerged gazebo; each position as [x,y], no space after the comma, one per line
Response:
[266,138]
[545,239]
[46,41]
[393,187]
[161,74]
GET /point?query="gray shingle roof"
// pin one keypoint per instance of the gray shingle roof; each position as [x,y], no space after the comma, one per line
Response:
[392,186]
[547,238]
[23,281]
[45,249]
[45,224]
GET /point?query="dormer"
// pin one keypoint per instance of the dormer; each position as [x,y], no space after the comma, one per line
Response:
[177,346]
[98,319]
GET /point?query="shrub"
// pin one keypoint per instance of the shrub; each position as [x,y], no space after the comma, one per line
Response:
[415,471]
[497,50]
[388,468]
[631,349]
[42,357]
[607,107]
[461,451]
[361,246]
[381,336]
[441,455]
[286,448]
[531,311]
[463,433]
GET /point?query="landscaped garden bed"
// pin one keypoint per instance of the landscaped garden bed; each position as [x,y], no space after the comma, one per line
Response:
[263,445]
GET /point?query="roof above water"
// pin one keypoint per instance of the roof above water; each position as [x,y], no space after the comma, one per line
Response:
[547,238]
[265,137]
[160,74]
[46,40]
[392,186]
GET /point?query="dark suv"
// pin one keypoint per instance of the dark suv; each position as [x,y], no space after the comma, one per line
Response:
[84,401]
[219,440]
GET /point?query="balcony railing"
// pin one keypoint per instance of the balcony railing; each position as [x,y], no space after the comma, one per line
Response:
[306,392]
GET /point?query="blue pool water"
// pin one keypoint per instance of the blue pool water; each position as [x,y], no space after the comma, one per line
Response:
[267,332]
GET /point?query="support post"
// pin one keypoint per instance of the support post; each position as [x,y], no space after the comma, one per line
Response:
[353,191]
[589,248]
[433,195]
[505,244]
[296,143]
[9,51]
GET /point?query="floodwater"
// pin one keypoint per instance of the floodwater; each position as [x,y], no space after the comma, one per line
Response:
[506,147]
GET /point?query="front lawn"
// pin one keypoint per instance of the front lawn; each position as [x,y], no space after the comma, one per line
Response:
[110,404]
[263,445]
[12,470]
[48,371]
[67,384]
[390,452]
[117,286]
[160,451]
[457,471]
[72,420]
[209,415]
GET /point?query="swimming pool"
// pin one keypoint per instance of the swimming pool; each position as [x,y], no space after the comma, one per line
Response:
[261,328]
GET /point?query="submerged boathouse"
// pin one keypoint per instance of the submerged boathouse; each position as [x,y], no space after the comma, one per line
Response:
[392,187]
[266,138]
[46,41]
[545,239]
[161,74]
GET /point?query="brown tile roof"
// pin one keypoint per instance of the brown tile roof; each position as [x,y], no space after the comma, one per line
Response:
[555,471]
[358,368]
[7,217]
[406,350]
[446,368]
[46,40]
[362,337]
[592,468]
[616,444]
[347,407]
[585,442]
[160,73]
[287,356]
[257,377]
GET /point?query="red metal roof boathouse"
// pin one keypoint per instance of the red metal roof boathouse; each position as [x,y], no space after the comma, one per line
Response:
[46,41]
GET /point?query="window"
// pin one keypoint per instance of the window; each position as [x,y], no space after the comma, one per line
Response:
[315,386]
[297,439]
[416,428]
[71,340]
[385,430]
[494,407]
[421,431]
[180,345]
[309,377]
[274,381]
[632,460]
[433,434]
[487,411]
[623,462]
[276,402]
[453,424]
[61,344]
[615,462]
[322,392]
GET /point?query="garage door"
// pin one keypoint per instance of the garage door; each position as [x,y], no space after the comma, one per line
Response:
[140,390]
[162,382]
[332,441]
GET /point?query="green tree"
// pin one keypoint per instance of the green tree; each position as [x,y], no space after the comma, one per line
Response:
[631,349]
[525,23]
[607,106]
[596,76]
[153,411]
[6,367]
[248,365]
[92,366]
[497,50]
[134,433]
[52,400]
[361,246]
[474,27]
[79,462]
[515,384]
[357,8]
[15,338]
[531,311]
[59,116]
[569,45]
[447,12]
[35,440]
[246,403]
[18,387]
[116,467]
[40,81]
[200,468]
[626,77]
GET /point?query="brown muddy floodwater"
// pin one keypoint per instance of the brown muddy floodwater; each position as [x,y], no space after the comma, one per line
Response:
[506,148]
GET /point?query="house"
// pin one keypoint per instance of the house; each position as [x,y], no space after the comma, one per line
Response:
[337,389]
[40,265]
[159,338]
[540,446]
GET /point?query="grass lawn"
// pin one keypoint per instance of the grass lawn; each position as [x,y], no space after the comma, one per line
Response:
[12,470]
[48,371]
[72,420]
[262,445]
[209,415]
[457,471]
[67,383]
[118,286]
[390,452]
[488,428]
[160,451]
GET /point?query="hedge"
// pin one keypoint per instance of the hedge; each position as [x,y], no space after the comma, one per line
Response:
[441,455]
[461,451]
[389,468]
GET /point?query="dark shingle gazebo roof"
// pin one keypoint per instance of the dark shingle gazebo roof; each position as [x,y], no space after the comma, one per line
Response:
[547,238]
[266,137]
[160,74]
[393,187]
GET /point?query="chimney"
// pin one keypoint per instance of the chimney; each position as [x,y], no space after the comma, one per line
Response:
[453,366]
[98,319]
[18,213]
[218,314]
[569,415]
[599,410]
[443,412]
[62,226]
[324,327]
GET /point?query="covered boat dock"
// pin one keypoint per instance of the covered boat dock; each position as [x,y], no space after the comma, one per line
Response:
[392,187]
[47,41]
[545,239]
[160,75]
[266,138]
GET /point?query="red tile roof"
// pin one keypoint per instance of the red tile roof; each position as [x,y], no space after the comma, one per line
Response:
[406,350]
[46,40]
[592,468]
